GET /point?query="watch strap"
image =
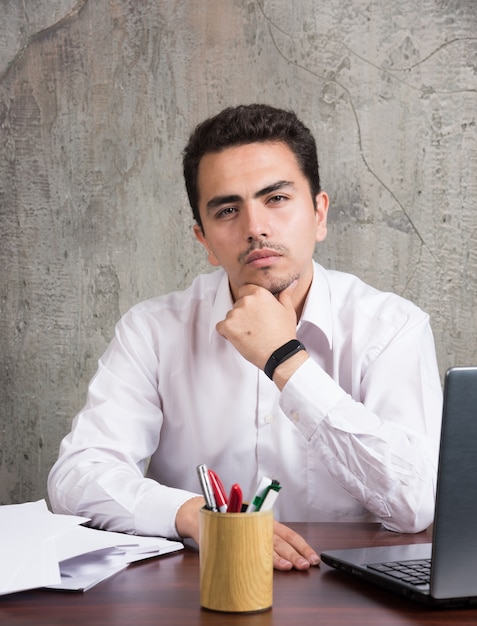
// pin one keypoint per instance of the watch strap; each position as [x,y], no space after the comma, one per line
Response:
[280,355]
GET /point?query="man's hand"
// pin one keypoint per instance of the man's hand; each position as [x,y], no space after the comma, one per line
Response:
[259,322]
[187,518]
[290,550]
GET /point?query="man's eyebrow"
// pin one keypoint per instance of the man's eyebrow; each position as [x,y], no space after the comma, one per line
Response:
[280,184]
[219,201]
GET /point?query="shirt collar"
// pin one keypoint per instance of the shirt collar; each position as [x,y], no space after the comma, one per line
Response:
[317,308]
[222,304]
[316,311]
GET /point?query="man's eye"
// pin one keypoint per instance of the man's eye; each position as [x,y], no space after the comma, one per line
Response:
[230,210]
[278,198]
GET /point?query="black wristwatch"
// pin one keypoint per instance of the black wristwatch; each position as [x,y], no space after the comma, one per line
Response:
[281,355]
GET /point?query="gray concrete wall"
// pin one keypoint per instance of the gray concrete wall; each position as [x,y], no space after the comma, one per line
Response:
[97,98]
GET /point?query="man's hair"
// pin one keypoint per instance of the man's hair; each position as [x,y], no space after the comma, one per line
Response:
[245,124]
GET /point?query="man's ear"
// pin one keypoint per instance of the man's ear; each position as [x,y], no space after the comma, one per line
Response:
[201,238]
[321,213]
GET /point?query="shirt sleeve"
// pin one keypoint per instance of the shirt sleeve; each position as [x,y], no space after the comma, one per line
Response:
[381,447]
[100,470]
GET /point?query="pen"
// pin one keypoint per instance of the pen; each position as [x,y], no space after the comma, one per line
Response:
[260,494]
[218,491]
[206,487]
[235,499]
[270,496]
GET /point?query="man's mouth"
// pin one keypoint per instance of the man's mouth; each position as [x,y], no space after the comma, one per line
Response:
[262,257]
[257,255]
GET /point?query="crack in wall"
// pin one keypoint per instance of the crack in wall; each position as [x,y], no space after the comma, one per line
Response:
[390,71]
[358,128]
[44,32]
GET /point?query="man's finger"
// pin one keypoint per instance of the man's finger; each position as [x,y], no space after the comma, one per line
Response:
[291,550]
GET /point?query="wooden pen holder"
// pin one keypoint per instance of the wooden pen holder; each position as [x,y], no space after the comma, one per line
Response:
[236,561]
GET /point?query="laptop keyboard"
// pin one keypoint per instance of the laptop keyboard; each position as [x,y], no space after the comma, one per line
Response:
[413,572]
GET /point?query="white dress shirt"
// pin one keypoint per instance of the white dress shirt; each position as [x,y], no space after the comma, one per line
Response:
[353,436]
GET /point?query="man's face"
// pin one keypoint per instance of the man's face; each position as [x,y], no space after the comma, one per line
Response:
[258,216]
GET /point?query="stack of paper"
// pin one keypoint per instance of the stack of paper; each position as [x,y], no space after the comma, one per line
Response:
[40,549]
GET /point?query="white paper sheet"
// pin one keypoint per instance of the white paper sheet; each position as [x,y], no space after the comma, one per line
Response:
[27,545]
[41,549]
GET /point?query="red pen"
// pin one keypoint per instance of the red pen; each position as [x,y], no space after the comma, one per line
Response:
[235,499]
[219,491]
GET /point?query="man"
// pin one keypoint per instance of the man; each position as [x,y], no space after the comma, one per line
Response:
[347,415]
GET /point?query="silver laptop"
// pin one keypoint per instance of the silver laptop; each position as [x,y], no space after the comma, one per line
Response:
[450,561]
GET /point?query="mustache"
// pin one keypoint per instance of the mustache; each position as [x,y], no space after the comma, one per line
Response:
[260,245]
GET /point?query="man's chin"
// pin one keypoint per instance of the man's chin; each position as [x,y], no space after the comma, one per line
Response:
[275,285]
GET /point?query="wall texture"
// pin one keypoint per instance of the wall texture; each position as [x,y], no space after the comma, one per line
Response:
[97,98]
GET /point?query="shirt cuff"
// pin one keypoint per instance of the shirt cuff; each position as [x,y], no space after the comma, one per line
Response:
[154,517]
[309,396]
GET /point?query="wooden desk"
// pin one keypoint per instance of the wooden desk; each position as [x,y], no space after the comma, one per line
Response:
[166,591]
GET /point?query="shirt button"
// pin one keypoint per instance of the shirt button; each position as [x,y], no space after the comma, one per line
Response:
[295,416]
[268,419]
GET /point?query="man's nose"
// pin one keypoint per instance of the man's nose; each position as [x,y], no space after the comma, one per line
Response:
[256,222]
